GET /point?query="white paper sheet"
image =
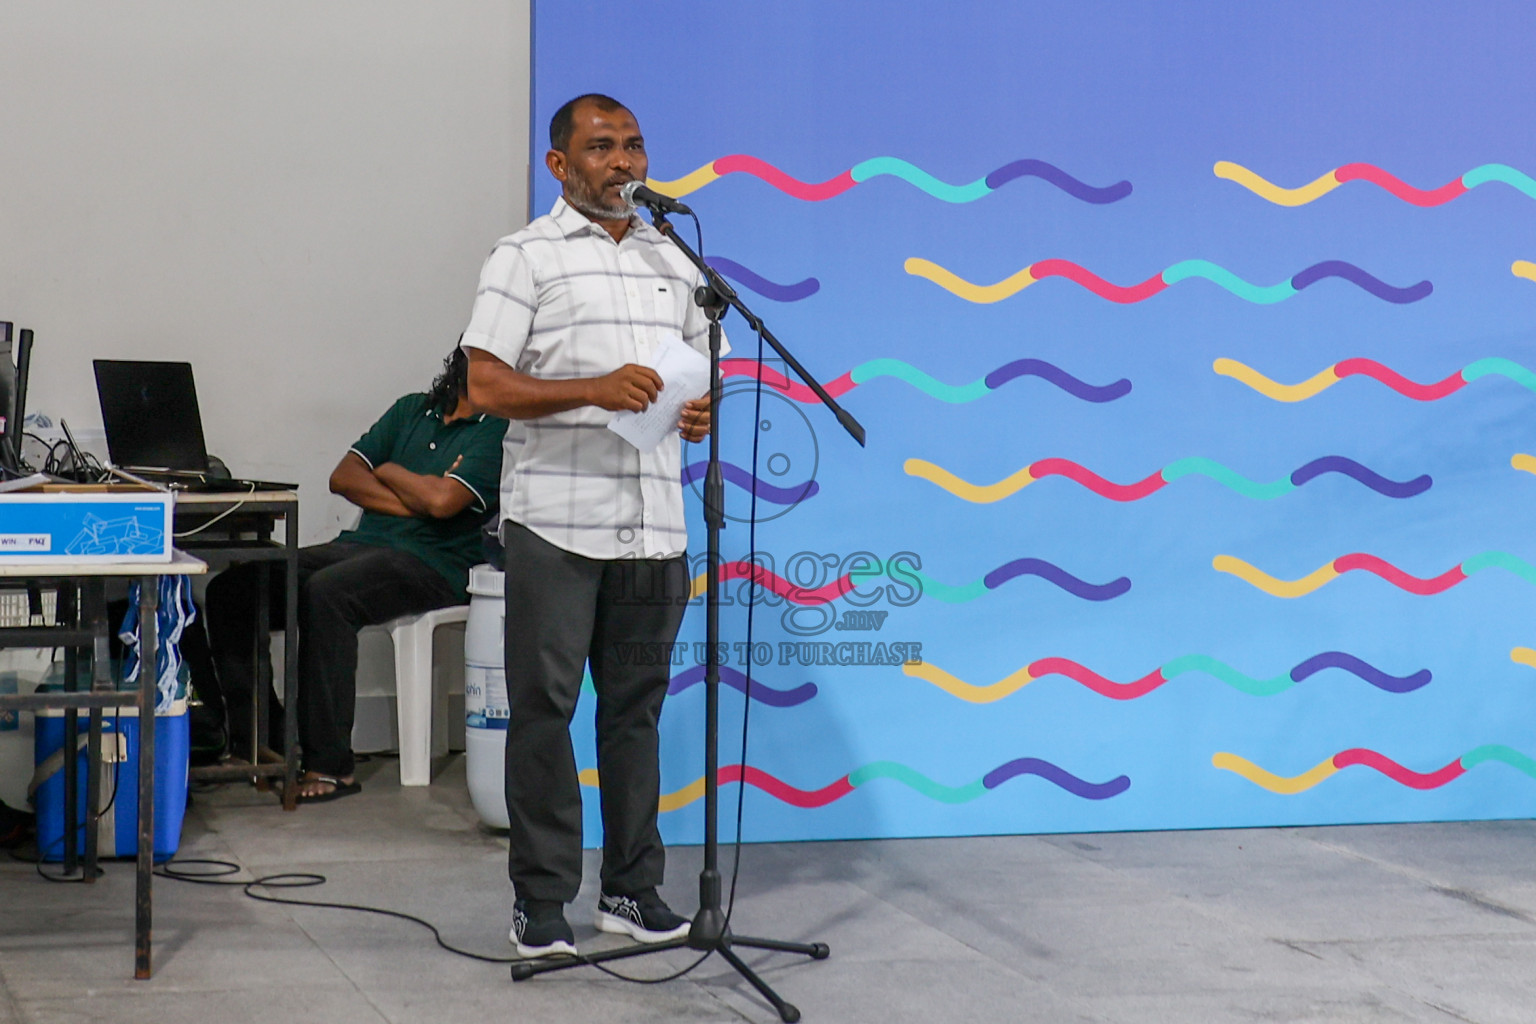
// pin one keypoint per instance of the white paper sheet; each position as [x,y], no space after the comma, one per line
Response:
[684,376]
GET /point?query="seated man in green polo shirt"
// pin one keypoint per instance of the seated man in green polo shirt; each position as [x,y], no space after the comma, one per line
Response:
[426,476]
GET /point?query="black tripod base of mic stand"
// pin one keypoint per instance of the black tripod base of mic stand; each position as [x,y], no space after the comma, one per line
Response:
[708,934]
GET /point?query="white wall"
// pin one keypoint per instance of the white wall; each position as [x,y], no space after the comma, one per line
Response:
[294,195]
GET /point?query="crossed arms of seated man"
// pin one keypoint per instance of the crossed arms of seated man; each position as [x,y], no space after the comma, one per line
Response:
[396,491]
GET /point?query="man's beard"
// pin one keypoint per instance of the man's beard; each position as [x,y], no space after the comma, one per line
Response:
[584,199]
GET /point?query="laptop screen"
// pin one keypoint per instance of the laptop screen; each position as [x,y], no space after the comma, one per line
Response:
[149,413]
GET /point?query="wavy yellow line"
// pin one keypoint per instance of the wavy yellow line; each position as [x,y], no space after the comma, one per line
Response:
[964,488]
[1269,780]
[1274,193]
[681,797]
[1005,687]
[1273,389]
[1008,286]
[668,802]
[1524,463]
[1523,656]
[1523,268]
[1269,584]
[690,182]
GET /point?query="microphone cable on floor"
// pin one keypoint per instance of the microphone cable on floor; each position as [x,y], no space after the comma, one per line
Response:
[216,872]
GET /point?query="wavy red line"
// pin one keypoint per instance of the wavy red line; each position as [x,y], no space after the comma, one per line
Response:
[1396,772]
[782,384]
[784,791]
[770,580]
[1395,576]
[1397,382]
[1395,185]
[811,190]
[1094,482]
[1096,284]
[1095,682]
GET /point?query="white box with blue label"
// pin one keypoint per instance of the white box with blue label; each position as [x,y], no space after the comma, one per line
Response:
[85,524]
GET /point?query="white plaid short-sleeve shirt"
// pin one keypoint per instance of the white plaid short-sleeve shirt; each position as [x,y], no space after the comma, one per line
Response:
[561,299]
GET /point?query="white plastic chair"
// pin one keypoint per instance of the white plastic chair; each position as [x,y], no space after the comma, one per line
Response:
[413,637]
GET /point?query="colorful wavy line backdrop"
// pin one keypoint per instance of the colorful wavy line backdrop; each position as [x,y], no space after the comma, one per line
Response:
[1228,286]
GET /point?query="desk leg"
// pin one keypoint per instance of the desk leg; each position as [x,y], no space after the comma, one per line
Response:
[291,662]
[149,588]
[94,607]
[261,710]
[70,612]
[71,790]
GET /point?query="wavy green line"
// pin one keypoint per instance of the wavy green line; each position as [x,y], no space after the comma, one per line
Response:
[1229,675]
[926,586]
[1499,752]
[899,168]
[1500,172]
[1500,560]
[948,594]
[955,394]
[1504,367]
[1231,282]
[916,780]
[1228,478]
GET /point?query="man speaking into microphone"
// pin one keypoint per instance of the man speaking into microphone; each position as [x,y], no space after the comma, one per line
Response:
[568,318]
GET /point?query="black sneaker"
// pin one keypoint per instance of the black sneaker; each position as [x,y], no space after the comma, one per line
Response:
[643,916]
[539,929]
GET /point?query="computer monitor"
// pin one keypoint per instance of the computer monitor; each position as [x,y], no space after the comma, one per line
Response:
[13,392]
[23,369]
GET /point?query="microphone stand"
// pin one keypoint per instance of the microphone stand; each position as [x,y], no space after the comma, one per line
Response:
[708,931]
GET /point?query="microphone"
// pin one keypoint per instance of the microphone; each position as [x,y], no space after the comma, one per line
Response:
[635,193]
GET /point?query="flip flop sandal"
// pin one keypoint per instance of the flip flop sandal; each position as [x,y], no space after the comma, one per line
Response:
[339,789]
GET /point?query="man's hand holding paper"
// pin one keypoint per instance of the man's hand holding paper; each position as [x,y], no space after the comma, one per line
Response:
[684,373]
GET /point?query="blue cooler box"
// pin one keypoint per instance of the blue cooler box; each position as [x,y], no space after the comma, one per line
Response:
[119,828]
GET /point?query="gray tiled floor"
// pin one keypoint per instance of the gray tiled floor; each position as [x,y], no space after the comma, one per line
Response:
[1433,923]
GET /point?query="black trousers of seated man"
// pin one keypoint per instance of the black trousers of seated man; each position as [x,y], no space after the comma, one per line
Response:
[565,611]
[342,588]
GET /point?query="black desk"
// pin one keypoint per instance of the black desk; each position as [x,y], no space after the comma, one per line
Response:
[229,529]
[84,624]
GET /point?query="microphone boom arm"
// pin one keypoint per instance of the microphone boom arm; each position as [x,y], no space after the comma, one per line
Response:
[713,279]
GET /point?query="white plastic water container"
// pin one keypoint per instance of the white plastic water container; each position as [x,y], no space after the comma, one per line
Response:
[485,696]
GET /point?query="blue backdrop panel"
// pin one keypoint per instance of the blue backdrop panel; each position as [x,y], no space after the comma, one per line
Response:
[1193,342]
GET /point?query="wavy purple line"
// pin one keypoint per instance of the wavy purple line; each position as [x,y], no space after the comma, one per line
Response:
[1057,575]
[1060,178]
[743,479]
[1059,776]
[1354,275]
[1366,671]
[1369,477]
[764,287]
[761,692]
[1059,377]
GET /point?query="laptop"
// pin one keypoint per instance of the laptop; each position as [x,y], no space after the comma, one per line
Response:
[154,430]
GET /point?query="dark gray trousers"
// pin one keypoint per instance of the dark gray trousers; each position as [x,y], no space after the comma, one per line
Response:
[563,612]
[342,588]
